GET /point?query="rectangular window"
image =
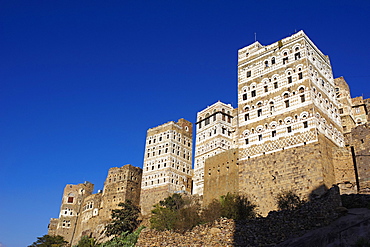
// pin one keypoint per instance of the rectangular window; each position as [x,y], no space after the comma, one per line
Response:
[266,89]
[245,96]
[303,99]
[260,137]
[247,141]
[341,111]
[300,76]
[254,93]
[285,60]
[276,85]
[297,55]
[249,73]
[287,103]
[289,129]
[259,112]
[305,124]
[273,133]
[290,79]
[70,199]
[246,117]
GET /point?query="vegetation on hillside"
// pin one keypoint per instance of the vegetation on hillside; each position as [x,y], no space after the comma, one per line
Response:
[49,241]
[123,220]
[288,200]
[179,214]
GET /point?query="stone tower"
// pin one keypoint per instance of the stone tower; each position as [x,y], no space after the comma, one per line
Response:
[85,214]
[214,134]
[286,96]
[72,201]
[167,163]
[290,134]
[122,183]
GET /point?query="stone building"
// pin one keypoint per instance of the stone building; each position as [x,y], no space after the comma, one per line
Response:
[85,214]
[296,128]
[167,163]
[72,199]
[289,131]
[214,132]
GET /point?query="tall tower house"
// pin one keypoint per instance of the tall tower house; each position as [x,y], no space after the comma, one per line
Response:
[288,121]
[286,96]
[214,134]
[167,163]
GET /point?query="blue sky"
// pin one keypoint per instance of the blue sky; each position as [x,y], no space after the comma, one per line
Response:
[82,81]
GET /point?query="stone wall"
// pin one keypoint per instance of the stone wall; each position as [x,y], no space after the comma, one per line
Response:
[305,170]
[359,143]
[221,175]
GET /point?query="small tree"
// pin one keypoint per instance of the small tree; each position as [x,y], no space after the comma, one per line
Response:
[49,241]
[123,220]
[175,213]
[212,211]
[237,207]
[288,200]
[85,241]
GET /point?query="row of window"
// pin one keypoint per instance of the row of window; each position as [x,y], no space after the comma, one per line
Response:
[166,150]
[253,93]
[164,165]
[287,104]
[208,117]
[274,133]
[214,131]
[150,141]
[173,181]
[285,60]
[116,179]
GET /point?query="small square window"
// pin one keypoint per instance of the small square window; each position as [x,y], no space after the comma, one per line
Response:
[303,99]
[245,96]
[297,55]
[273,133]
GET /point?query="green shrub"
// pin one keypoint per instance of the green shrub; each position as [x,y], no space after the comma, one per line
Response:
[212,211]
[175,213]
[237,207]
[123,220]
[124,240]
[85,241]
[288,200]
